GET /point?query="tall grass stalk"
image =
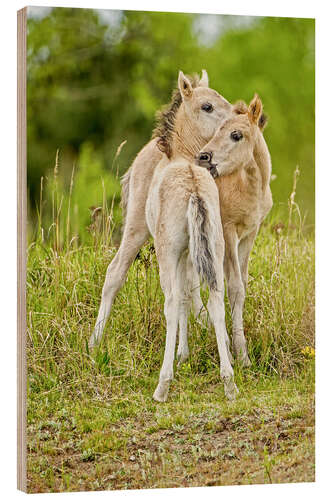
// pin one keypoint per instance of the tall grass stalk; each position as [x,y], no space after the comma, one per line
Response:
[68,225]
[55,205]
[293,206]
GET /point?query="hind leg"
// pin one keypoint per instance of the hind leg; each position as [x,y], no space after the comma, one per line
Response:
[168,263]
[135,231]
[134,236]
[244,250]
[236,295]
[217,314]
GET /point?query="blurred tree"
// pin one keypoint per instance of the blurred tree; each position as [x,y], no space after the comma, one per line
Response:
[86,85]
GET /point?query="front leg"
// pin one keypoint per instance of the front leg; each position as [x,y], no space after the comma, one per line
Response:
[133,238]
[244,249]
[236,294]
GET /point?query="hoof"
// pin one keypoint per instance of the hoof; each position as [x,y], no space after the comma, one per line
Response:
[158,398]
[230,389]
[246,362]
[91,344]
[182,357]
[161,392]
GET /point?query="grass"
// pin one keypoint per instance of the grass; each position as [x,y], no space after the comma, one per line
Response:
[125,440]
[92,423]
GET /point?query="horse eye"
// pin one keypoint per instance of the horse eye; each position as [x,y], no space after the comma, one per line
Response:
[208,107]
[236,135]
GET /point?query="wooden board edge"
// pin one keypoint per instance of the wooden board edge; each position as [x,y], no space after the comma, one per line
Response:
[21,247]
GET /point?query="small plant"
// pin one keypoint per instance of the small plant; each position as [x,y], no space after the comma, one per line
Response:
[308,352]
[88,455]
[268,464]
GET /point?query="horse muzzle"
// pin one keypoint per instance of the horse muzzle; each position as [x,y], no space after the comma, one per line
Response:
[204,159]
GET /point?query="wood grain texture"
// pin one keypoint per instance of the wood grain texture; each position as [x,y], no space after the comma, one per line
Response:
[21,247]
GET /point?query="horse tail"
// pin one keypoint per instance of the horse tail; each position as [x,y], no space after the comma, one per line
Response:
[203,237]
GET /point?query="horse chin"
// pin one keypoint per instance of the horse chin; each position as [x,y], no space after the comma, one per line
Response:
[213,170]
[211,167]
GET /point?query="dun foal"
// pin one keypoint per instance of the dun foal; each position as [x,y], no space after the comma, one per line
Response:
[184,127]
[183,216]
[242,179]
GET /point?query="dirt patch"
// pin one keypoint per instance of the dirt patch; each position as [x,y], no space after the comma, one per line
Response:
[257,448]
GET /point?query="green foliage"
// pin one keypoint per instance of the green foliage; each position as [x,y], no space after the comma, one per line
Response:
[90,411]
[275,58]
[89,206]
[97,82]
[93,187]
[64,287]
[102,403]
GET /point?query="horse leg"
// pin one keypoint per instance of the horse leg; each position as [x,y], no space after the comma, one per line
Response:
[244,250]
[168,276]
[184,286]
[136,185]
[199,309]
[134,236]
[217,314]
[236,294]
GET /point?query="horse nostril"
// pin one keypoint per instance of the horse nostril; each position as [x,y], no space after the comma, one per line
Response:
[205,157]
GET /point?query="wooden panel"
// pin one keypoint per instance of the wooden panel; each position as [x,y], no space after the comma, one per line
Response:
[21,247]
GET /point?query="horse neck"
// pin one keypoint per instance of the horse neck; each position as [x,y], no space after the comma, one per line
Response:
[186,139]
[262,159]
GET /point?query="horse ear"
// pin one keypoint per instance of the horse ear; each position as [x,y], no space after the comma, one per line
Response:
[255,109]
[204,81]
[184,86]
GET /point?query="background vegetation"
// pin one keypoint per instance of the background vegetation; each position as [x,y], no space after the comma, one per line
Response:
[95,80]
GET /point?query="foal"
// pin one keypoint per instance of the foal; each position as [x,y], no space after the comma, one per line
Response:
[245,200]
[183,216]
[184,127]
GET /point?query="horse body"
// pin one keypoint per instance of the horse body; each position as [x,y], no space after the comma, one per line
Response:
[183,215]
[245,199]
[189,123]
[184,129]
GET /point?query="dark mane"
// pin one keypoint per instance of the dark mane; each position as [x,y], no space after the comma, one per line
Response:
[240,108]
[165,118]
